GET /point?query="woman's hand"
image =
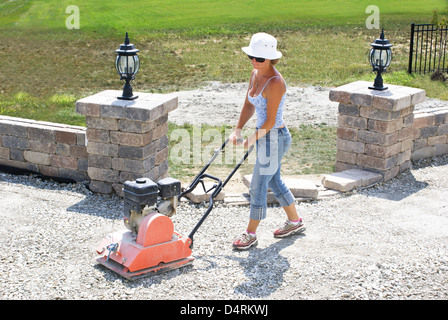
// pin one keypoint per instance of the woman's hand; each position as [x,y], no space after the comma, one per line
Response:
[250,141]
[235,137]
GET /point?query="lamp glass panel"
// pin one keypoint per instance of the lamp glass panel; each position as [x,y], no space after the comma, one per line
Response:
[136,63]
[376,57]
[389,57]
[127,65]
[122,65]
[371,59]
[380,58]
[117,64]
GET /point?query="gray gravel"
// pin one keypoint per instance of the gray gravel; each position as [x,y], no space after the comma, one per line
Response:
[385,242]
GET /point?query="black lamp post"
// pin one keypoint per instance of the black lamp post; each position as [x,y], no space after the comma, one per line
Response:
[127,65]
[380,57]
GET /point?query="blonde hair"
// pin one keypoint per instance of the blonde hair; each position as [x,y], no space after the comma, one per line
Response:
[274,62]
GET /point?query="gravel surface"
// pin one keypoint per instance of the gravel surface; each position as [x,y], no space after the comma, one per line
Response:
[385,242]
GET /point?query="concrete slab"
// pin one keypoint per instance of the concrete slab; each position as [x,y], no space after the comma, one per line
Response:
[300,188]
[350,179]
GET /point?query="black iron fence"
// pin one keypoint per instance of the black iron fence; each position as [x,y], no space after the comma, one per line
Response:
[428,49]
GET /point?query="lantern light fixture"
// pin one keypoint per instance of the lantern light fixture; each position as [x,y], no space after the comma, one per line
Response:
[127,64]
[380,58]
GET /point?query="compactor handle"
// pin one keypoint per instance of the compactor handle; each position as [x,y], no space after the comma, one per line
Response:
[217,190]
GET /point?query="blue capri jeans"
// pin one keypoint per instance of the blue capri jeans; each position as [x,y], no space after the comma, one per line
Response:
[266,175]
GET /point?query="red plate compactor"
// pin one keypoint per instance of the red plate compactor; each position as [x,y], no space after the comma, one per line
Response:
[149,245]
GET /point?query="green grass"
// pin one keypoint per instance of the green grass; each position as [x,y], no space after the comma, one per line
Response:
[183,43]
[203,16]
[313,150]
[57,108]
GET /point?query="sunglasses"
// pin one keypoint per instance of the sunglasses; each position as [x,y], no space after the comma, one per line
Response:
[260,60]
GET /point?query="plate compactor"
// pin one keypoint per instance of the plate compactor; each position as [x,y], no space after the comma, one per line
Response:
[149,245]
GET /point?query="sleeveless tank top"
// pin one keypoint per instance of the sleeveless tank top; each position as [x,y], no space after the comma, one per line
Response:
[260,104]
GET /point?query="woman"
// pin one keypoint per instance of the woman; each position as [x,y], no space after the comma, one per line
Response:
[266,97]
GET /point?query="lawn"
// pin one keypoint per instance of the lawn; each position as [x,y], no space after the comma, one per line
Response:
[183,43]
[312,151]
[204,16]
[46,67]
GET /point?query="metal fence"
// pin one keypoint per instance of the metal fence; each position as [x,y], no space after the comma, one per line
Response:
[428,49]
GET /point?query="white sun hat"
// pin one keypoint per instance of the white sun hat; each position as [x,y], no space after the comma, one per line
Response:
[263,45]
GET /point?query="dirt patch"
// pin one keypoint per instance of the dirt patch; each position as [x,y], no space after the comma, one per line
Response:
[220,103]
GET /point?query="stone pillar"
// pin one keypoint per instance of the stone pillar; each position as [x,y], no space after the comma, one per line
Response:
[375,131]
[126,139]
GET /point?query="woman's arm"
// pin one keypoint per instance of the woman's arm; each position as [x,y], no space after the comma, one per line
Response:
[246,113]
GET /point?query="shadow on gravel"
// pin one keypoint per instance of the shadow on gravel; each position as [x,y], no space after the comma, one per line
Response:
[264,268]
[146,281]
[109,207]
[398,188]
[405,184]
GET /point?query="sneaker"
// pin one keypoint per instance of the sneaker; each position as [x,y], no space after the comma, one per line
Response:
[245,241]
[289,228]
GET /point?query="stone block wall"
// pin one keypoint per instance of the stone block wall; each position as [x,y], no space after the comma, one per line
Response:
[375,128]
[51,149]
[430,133]
[127,139]
[123,140]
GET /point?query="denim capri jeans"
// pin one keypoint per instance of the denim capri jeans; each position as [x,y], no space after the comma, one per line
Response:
[270,150]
